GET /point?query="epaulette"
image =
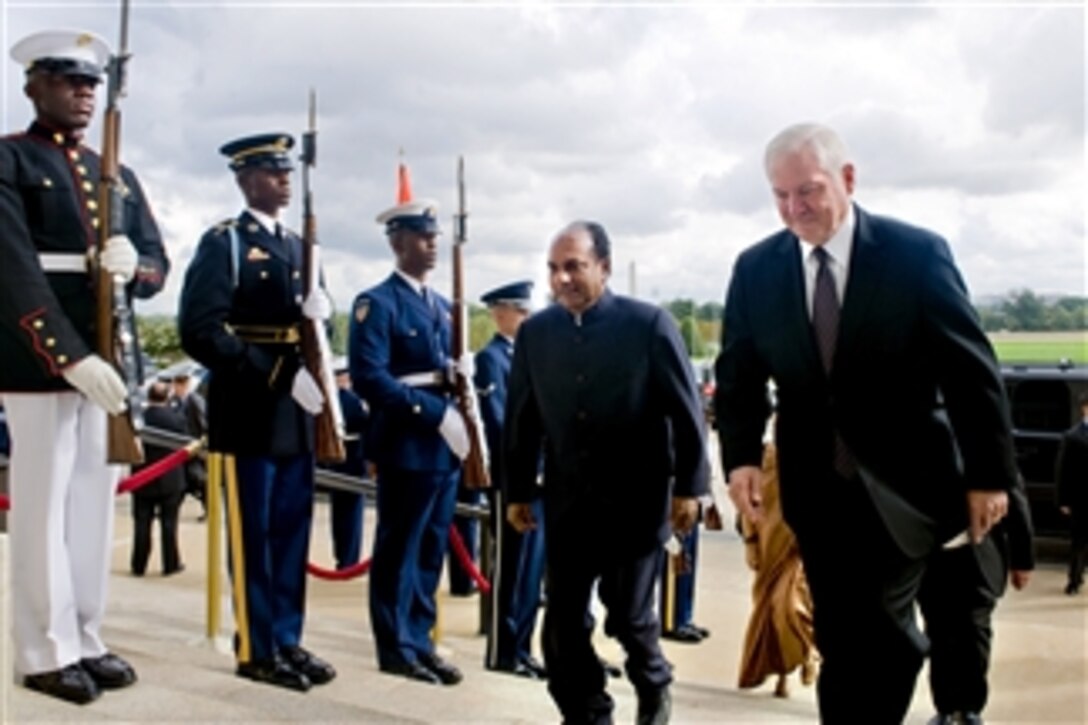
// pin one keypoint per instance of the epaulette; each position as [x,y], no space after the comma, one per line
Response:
[224,225]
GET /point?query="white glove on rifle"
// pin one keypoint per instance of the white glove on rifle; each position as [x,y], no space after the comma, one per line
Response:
[306,392]
[119,257]
[317,307]
[464,365]
[453,431]
[96,379]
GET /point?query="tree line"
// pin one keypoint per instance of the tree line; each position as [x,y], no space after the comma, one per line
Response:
[699,323]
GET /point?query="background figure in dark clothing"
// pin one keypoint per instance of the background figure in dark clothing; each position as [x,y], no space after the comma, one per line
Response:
[162,497]
[601,384]
[346,508]
[959,592]
[1072,475]
[187,399]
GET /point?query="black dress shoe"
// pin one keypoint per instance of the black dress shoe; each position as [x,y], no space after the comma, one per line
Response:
[535,665]
[1072,588]
[317,670]
[703,631]
[109,671]
[684,633]
[274,671]
[611,670]
[176,570]
[520,669]
[446,673]
[413,671]
[69,683]
[654,708]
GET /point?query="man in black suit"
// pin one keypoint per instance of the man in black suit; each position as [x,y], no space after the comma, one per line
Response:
[1072,474]
[603,385]
[872,480]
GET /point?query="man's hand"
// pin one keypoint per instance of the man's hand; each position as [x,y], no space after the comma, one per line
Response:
[453,431]
[984,510]
[317,307]
[1066,511]
[306,392]
[119,257]
[746,491]
[97,379]
[1019,578]
[520,516]
[685,513]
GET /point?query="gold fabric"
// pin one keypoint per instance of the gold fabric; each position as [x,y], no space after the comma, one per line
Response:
[780,637]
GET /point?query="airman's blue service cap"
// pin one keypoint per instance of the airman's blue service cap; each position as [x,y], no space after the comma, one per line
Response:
[515,294]
[64,52]
[415,216]
[263,151]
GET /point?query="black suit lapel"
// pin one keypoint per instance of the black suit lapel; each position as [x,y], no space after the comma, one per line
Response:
[866,268]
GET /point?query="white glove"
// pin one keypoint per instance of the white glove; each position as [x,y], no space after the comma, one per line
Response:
[317,307]
[119,257]
[306,392]
[96,379]
[453,431]
[464,365]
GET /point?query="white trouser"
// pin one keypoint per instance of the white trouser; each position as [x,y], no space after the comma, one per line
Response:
[61,527]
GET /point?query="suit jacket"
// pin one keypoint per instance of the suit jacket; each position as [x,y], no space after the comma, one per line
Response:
[394,332]
[48,203]
[250,409]
[1071,469]
[908,339]
[492,371]
[610,398]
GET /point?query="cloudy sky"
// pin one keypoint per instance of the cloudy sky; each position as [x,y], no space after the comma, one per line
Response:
[965,118]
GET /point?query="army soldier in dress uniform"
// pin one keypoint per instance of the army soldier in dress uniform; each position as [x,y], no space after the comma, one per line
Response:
[399,354]
[519,559]
[241,309]
[56,390]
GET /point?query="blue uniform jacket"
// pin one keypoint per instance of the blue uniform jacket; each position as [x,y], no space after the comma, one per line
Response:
[610,398]
[394,333]
[492,372]
[250,408]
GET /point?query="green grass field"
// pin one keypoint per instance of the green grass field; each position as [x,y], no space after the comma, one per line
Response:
[1041,347]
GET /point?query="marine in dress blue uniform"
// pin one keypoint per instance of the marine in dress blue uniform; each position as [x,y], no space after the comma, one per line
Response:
[240,312]
[56,389]
[594,378]
[399,355]
[519,558]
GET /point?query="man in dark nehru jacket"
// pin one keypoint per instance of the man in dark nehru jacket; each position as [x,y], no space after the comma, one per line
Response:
[57,391]
[399,354]
[596,379]
[519,558]
[240,314]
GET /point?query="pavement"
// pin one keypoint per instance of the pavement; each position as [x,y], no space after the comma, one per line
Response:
[1039,671]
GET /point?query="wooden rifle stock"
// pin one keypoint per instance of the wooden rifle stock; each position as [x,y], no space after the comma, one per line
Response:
[317,356]
[474,473]
[114,340]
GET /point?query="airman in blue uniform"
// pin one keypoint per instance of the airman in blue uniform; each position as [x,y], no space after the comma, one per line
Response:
[399,355]
[519,559]
[240,315]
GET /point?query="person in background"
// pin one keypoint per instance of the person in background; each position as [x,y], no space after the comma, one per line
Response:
[162,497]
[57,391]
[677,600]
[186,398]
[240,315]
[519,557]
[959,593]
[346,507]
[1072,475]
[595,377]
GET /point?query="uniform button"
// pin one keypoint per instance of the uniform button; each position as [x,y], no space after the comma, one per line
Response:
[50,341]
[88,186]
[73,155]
[298,299]
[81,169]
[412,333]
[296,274]
[94,222]
[58,138]
[416,409]
[38,324]
[62,359]
[264,274]
[92,204]
[47,183]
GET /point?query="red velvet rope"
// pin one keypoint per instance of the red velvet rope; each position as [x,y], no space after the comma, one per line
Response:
[339,575]
[142,477]
[457,544]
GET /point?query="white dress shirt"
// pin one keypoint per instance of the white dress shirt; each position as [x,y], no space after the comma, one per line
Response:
[838,251]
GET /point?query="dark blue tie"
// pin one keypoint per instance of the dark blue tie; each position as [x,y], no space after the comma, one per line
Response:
[825,322]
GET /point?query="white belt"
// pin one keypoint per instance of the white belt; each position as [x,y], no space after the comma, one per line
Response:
[63,262]
[422,380]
